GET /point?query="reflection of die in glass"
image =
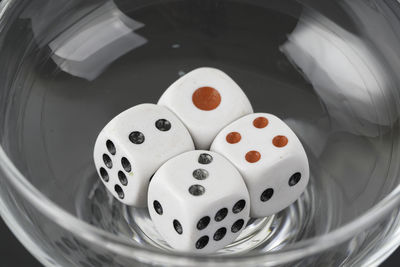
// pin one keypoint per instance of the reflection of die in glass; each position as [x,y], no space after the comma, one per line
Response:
[270,158]
[198,202]
[133,145]
[206,100]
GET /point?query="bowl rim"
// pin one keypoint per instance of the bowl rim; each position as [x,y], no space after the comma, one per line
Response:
[117,244]
[125,247]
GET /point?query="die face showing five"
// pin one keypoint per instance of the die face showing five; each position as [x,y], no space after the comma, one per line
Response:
[206,100]
[270,158]
[198,202]
[133,145]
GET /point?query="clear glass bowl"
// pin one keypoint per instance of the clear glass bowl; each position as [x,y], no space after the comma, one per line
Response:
[328,68]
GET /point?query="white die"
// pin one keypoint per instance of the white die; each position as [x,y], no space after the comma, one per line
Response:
[206,100]
[133,145]
[270,158]
[198,202]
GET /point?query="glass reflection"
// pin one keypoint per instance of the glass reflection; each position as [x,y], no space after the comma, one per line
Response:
[351,81]
[93,42]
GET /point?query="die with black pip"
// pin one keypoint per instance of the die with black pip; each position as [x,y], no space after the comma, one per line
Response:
[133,145]
[198,202]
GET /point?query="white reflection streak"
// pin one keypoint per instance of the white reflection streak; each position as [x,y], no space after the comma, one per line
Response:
[93,43]
[3,7]
[345,74]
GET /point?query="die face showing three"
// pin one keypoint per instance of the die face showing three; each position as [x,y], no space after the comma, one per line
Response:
[133,145]
[198,202]
[206,100]
[270,158]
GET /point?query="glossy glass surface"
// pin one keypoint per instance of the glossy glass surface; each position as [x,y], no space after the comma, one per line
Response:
[328,68]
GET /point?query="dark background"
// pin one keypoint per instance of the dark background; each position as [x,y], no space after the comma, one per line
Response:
[14,254]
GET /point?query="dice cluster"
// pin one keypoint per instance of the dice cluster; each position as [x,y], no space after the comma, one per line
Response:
[247,164]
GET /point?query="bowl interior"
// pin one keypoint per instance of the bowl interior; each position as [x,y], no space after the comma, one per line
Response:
[87,62]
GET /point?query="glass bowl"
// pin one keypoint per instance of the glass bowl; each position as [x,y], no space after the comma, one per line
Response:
[328,68]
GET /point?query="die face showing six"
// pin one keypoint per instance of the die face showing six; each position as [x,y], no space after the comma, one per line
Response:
[133,145]
[206,100]
[198,202]
[270,158]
